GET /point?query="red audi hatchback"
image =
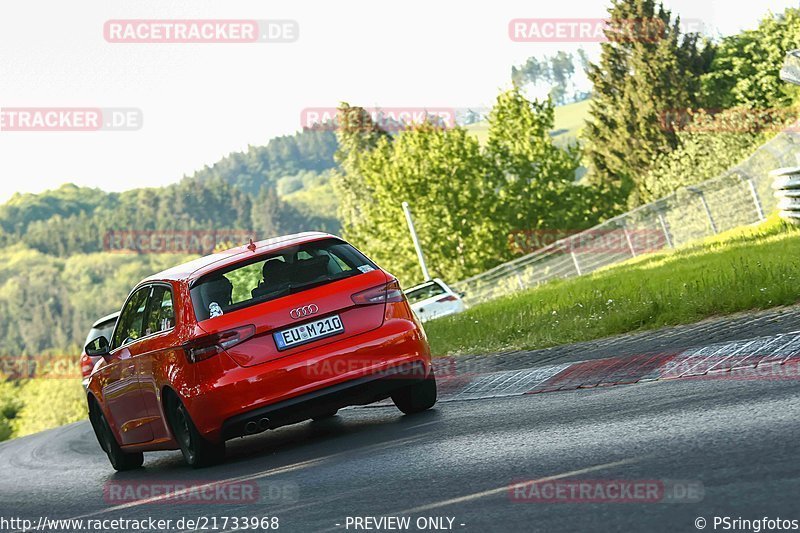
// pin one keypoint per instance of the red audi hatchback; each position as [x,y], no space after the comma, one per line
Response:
[250,339]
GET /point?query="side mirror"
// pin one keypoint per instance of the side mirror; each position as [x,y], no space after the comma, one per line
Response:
[791,67]
[97,347]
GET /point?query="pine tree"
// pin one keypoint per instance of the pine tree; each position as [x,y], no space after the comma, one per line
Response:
[647,72]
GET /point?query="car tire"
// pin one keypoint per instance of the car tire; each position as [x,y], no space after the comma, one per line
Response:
[417,397]
[119,459]
[325,416]
[198,452]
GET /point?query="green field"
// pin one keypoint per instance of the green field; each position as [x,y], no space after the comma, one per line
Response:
[567,125]
[743,269]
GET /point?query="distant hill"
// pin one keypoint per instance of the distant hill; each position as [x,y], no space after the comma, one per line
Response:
[280,160]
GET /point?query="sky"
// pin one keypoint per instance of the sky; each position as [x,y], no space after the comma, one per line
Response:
[199,102]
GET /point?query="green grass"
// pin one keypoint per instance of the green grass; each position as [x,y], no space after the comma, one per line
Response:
[743,269]
[567,124]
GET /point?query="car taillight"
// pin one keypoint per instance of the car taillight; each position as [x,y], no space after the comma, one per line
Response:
[448,298]
[86,365]
[389,292]
[211,345]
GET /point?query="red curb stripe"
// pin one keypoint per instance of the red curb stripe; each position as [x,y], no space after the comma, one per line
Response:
[605,372]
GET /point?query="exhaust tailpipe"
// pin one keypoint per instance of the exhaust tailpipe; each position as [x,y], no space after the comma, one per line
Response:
[250,427]
[263,424]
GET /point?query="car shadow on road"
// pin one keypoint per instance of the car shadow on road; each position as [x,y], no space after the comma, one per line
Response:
[348,432]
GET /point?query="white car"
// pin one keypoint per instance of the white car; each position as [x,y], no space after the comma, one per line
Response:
[434,299]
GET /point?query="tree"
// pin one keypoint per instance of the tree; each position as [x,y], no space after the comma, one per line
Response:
[533,71]
[556,70]
[647,69]
[441,173]
[466,201]
[709,146]
[562,69]
[745,68]
[357,135]
[538,189]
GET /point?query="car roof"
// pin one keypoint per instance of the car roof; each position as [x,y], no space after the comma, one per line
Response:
[427,283]
[196,268]
[113,316]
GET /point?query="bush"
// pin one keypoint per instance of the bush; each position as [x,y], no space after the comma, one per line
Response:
[9,407]
[709,145]
[47,403]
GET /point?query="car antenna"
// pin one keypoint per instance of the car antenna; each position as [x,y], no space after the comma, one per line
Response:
[251,246]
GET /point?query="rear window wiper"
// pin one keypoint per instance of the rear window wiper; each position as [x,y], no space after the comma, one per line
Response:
[293,288]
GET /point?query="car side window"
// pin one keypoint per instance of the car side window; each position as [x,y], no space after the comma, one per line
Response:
[160,314]
[129,326]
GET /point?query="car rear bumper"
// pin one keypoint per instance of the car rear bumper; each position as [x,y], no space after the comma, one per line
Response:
[452,311]
[361,391]
[355,370]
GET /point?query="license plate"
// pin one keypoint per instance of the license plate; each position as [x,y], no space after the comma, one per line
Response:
[309,332]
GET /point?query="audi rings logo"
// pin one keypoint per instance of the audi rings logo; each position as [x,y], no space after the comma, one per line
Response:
[306,310]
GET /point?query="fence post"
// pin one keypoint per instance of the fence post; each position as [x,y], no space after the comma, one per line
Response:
[703,200]
[575,262]
[664,229]
[756,199]
[628,238]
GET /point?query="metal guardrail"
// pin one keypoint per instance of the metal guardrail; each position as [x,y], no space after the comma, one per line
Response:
[787,191]
[740,196]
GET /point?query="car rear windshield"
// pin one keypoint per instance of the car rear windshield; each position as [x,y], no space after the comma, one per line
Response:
[277,274]
[423,292]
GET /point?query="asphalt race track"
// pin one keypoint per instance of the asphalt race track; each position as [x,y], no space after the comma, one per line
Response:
[737,440]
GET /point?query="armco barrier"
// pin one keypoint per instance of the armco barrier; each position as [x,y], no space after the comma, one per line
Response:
[787,191]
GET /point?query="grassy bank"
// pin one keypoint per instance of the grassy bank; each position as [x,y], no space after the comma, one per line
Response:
[743,269]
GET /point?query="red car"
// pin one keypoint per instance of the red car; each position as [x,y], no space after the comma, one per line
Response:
[254,338]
